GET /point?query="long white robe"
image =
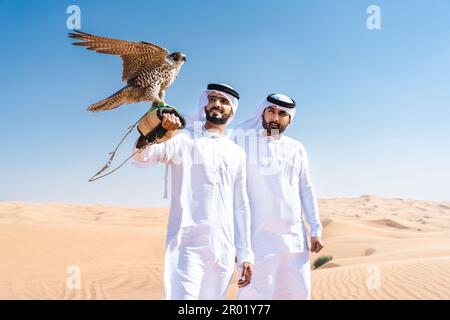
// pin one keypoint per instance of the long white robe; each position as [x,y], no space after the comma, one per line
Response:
[209,218]
[280,193]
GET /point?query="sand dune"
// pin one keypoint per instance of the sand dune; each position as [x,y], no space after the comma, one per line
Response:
[418,278]
[384,249]
[381,248]
[118,250]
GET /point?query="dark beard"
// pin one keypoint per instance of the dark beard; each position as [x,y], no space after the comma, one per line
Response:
[216,120]
[279,129]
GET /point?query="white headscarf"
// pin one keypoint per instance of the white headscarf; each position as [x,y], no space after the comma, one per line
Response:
[197,120]
[254,124]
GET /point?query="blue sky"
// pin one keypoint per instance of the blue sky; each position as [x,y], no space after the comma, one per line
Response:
[373,105]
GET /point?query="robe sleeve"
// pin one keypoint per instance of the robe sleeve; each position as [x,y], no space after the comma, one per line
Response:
[154,154]
[241,211]
[308,198]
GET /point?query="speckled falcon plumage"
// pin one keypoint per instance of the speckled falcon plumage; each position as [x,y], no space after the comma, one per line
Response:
[147,68]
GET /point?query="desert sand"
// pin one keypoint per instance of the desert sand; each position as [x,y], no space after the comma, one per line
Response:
[381,249]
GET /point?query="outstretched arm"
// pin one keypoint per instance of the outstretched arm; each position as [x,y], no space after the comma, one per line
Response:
[162,152]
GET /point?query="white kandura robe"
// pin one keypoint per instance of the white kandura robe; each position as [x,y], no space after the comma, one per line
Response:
[279,190]
[209,218]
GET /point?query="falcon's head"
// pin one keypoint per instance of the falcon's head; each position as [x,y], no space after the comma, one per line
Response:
[177,58]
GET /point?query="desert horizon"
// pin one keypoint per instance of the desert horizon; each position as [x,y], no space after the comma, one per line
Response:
[381,248]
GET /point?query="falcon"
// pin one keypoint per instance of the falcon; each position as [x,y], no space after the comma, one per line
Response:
[147,68]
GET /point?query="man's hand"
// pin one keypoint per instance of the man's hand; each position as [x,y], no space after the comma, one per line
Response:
[316,244]
[246,274]
[170,121]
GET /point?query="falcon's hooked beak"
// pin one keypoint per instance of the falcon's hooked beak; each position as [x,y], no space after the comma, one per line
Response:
[177,57]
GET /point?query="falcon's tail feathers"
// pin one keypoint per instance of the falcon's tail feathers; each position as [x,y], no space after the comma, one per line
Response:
[122,96]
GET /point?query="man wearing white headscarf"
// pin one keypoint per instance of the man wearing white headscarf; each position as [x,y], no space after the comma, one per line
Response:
[281,194]
[209,218]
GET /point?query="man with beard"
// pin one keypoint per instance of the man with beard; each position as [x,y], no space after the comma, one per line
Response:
[280,192]
[209,218]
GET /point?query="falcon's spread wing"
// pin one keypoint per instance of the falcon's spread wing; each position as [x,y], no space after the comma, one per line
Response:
[133,54]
